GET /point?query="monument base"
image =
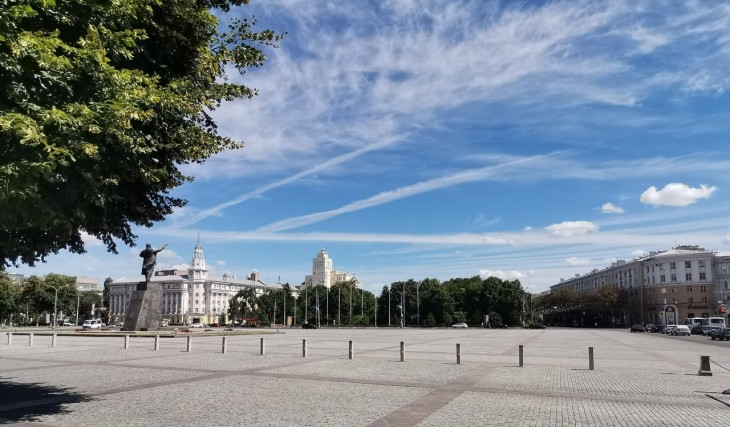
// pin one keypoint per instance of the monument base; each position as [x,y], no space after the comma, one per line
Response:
[144,308]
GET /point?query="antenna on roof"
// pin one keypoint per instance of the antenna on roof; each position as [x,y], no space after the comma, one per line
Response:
[198,235]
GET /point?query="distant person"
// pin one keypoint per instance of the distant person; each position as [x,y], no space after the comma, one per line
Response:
[149,259]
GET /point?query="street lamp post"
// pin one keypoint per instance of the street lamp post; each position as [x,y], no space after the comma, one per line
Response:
[418,306]
[306,303]
[55,300]
[327,312]
[362,302]
[78,300]
[285,322]
[339,305]
[389,305]
[350,304]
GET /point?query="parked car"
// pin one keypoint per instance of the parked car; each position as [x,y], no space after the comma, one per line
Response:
[499,325]
[92,324]
[710,328]
[696,330]
[460,325]
[648,327]
[534,326]
[309,325]
[668,329]
[681,330]
[197,325]
[720,334]
[637,327]
[67,324]
[656,328]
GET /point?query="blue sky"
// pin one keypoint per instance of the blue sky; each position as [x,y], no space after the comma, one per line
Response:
[440,139]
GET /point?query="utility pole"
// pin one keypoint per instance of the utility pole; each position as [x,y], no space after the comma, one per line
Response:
[418,306]
[306,303]
[55,300]
[327,313]
[389,305]
[350,304]
[362,302]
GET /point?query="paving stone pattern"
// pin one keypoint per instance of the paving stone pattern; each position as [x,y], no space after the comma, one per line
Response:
[639,379]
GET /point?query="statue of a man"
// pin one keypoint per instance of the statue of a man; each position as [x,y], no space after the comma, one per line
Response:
[149,260]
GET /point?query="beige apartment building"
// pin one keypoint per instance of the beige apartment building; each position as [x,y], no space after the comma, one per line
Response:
[664,287]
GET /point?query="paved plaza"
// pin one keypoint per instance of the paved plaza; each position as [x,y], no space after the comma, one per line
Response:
[639,379]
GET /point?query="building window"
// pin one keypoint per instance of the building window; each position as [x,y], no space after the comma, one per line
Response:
[703,276]
[689,288]
[690,315]
[701,263]
[674,277]
[688,277]
[672,265]
[704,299]
[674,300]
[690,300]
[663,278]
[703,288]
[687,264]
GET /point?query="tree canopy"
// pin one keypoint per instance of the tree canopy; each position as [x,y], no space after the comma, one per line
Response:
[101,101]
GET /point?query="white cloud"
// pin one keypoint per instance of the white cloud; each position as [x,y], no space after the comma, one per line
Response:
[178,267]
[90,240]
[220,262]
[572,228]
[676,194]
[504,275]
[611,208]
[528,228]
[639,253]
[578,260]
[726,240]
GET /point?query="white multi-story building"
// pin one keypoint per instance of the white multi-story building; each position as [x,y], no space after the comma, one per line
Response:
[324,274]
[187,297]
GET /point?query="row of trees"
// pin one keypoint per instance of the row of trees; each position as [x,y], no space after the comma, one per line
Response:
[31,301]
[428,302]
[604,306]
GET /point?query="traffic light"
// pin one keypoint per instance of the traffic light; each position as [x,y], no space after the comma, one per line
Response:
[722,310]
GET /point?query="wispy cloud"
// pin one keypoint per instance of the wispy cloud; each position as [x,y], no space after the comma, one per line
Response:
[572,228]
[611,208]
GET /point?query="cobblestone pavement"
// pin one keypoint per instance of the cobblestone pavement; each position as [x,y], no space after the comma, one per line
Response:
[638,380]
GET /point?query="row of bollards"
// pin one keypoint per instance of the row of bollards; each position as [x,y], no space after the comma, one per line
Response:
[704,360]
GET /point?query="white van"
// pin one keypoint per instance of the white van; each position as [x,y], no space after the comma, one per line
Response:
[92,324]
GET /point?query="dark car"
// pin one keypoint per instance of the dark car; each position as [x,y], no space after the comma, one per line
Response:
[720,334]
[637,327]
[696,330]
[309,326]
[656,328]
[534,326]
[499,325]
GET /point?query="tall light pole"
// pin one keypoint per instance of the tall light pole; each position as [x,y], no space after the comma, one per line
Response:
[327,313]
[339,305]
[418,306]
[389,305]
[362,302]
[55,300]
[375,322]
[285,322]
[306,303]
[78,300]
[350,304]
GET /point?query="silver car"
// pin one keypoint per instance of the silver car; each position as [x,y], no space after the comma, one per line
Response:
[681,330]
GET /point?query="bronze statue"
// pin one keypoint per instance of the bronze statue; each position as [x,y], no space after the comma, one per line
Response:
[149,260]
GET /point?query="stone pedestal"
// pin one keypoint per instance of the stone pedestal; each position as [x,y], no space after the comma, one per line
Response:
[144,308]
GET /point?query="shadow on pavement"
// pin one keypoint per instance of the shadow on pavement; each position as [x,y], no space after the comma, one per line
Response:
[26,402]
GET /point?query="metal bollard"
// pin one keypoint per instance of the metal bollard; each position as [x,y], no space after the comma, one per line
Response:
[522,360]
[402,351]
[126,341]
[350,353]
[10,339]
[224,345]
[53,340]
[704,367]
[157,342]
[590,358]
[263,347]
[30,340]
[458,354]
[304,348]
[189,347]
